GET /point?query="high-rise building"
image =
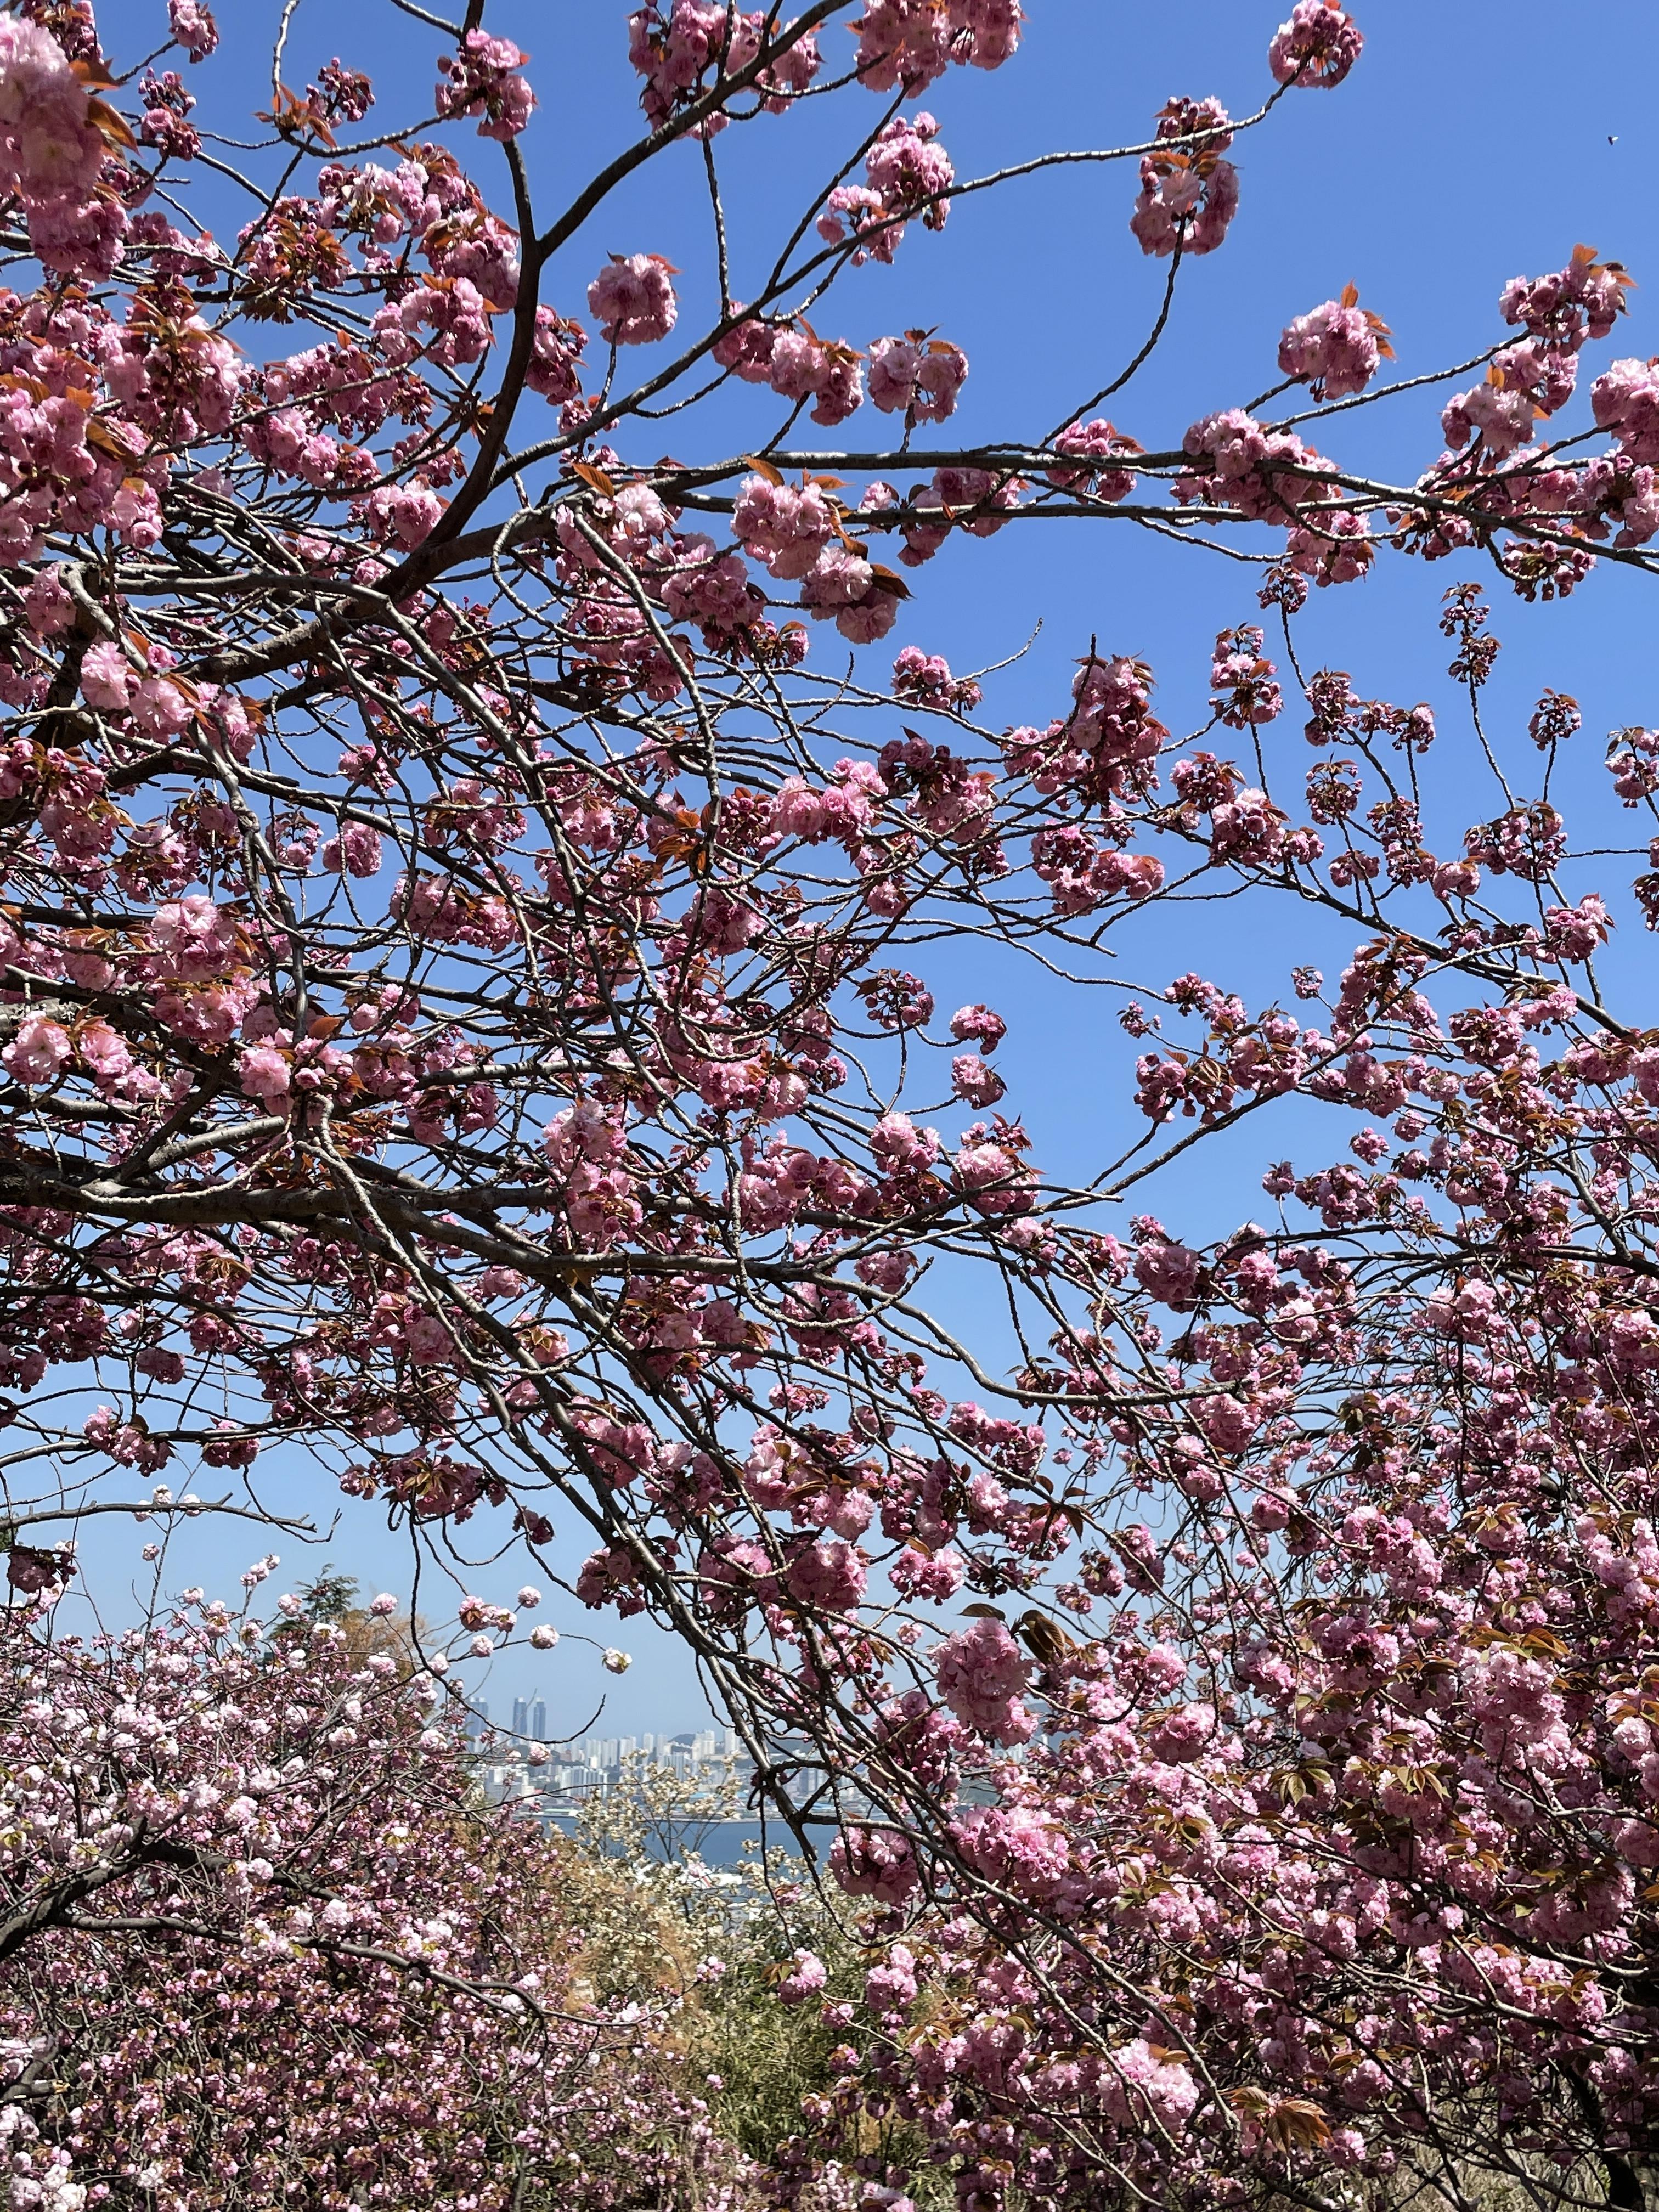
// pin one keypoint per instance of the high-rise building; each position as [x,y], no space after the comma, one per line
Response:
[521,1715]
[538,1720]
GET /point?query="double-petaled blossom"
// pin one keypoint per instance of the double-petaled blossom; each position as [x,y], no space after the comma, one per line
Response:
[193,27]
[632,299]
[483,79]
[677,48]
[1335,347]
[981,1675]
[1317,45]
[907,44]
[917,376]
[1188,192]
[906,173]
[1624,400]
[1100,450]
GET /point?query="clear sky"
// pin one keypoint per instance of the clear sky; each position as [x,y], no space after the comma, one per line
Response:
[1471,144]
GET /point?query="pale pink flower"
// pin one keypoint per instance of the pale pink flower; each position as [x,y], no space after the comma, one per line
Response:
[106,680]
[918,376]
[981,1674]
[1317,45]
[37,1051]
[1336,348]
[632,299]
[806,1977]
[193,27]
[482,80]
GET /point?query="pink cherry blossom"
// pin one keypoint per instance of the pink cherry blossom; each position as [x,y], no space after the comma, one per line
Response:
[801,366]
[37,1051]
[785,527]
[1318,45]
[1189,194]
[909,43]
[807,1975]
[51,150]
[975,1083]
[632,299]
[1336,348]
[981,1675]
[1093,443]
[106,680]
[1624,399]
[917,377]
[193,27]
[482,80]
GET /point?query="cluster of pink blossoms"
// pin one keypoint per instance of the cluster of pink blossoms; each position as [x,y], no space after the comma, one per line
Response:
[1534,377]
[1318,45]
[784,526]
[905,170]
[1271,476]
[57,470]
[1244,679]
[927,678]
[53,153]
[482,80]
[632,299]
[1102,449]
[907,44]
[193,27]
[1265,475]
[674,49]
[981,1675]
[1582,300]
[797,363]
[917,376]
[1336,347]
[1624,399]
[1188,193]
[798,534]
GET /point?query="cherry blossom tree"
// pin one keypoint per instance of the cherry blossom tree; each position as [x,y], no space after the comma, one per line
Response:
[464,904]
[261,1939]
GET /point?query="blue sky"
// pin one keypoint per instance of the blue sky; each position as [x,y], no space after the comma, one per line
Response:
[1469,145]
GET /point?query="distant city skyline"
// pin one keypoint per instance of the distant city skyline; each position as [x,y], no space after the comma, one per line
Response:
[561,1777]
